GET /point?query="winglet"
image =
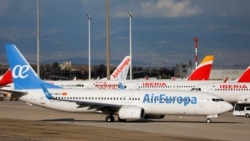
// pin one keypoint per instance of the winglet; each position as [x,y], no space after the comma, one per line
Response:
[6,78]
[245,76]
[24,77]
[202,72]
[121,72]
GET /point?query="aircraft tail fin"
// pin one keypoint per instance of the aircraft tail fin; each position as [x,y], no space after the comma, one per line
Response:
[121,72]
[245,76]
[202,72]
[24,77]
[6,78]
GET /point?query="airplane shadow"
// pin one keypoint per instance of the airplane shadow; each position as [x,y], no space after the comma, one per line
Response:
[139,121]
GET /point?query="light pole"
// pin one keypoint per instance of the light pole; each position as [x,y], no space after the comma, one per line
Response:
[107,40]
[38,36]
[89,19]
[130,43]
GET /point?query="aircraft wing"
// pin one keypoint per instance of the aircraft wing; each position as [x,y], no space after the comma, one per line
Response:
[14,93]
[98,106]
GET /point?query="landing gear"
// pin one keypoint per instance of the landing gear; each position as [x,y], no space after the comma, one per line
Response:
[211,116]
[110,118]
[208,120]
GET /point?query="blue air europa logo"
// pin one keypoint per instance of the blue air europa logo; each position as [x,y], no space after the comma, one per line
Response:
[20,71]
[168,99]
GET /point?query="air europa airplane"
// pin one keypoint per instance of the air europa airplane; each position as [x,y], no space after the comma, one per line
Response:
[196,77]
[127,105]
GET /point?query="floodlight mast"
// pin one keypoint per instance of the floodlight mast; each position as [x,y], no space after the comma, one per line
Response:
[130,42]
[38,36]
[89,19]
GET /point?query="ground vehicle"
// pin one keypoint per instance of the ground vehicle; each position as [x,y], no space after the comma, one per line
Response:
[242,109]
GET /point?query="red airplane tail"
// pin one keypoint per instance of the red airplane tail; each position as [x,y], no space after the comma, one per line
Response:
[202,72]
[245,77]
[6,78]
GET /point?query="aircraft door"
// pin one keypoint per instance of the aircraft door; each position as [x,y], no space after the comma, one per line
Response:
[202,101]
[42,98]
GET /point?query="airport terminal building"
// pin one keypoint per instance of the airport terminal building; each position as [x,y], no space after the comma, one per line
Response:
[183,70]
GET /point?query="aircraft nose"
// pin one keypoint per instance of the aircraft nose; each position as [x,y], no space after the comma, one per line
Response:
[227,106]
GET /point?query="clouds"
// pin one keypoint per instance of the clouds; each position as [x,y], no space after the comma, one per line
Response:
[161,8]
[170,8]
[161,29]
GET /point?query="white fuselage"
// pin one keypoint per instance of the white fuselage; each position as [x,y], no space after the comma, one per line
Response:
[130,84]
[153,102]
[229,91]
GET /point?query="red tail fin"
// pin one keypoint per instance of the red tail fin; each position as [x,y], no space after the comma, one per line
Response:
[6,78]
[245,77]
[202,72]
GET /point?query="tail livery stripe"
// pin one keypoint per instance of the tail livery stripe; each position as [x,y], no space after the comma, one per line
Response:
[202,72]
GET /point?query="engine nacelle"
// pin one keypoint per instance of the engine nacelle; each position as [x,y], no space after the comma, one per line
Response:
[154,116]
[131,112]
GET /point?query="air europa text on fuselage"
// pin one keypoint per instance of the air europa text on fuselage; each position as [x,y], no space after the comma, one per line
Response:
[169,99]
[104,85]
[119,70]
[234,86]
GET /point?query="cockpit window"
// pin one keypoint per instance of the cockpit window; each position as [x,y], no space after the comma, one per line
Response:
[79,85]
[217,99]
[196,89]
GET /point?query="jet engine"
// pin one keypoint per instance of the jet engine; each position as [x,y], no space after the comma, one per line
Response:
[131,112]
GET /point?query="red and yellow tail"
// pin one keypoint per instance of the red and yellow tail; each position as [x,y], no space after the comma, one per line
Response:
[202,72]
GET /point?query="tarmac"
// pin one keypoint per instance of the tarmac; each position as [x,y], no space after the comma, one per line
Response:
[22,122]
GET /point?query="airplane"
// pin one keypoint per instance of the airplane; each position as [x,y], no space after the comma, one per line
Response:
[231,91]
[181,84]
[197,76]
[127,105]
[119,74]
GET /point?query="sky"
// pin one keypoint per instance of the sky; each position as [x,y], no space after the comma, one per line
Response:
[163,31]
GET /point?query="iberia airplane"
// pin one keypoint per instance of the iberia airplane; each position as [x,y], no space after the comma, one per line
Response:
[127,105]
[232,91]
